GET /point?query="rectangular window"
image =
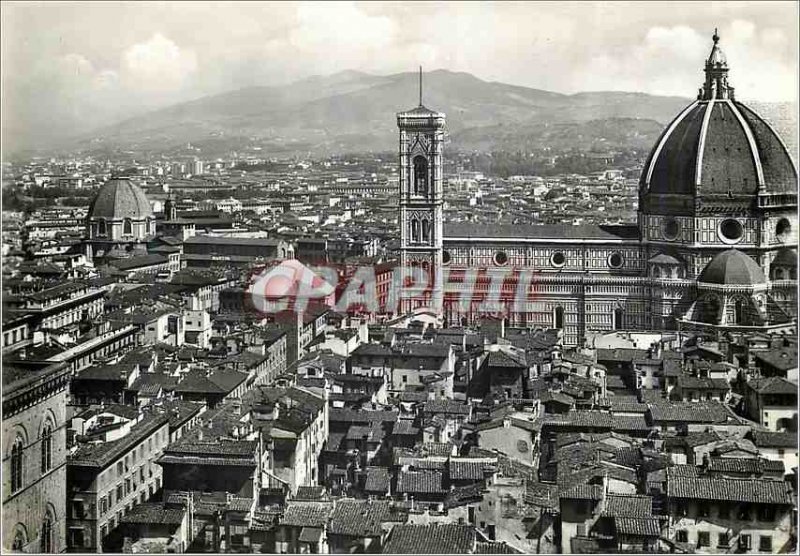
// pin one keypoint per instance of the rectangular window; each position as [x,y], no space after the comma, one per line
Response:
[120,494]
[78,510]
[76,539]
[744,512]
[103,531]
[127,486]
[765,543]
[141,473]
[703,539]
[682,535]
[702,510]
[722,540]
[766,513]
[119,469]
[744,542]
[103,505]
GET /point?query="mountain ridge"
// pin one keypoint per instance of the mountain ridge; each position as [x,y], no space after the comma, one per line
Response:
[318,113]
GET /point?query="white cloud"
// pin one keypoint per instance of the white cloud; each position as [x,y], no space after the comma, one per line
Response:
[158,65]
[340,32]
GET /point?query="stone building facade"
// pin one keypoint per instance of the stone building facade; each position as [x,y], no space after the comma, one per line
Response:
[35,459]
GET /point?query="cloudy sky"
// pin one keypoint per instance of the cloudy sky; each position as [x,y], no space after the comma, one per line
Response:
[68,67]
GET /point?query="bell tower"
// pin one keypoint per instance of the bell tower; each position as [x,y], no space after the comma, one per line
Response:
[421,196]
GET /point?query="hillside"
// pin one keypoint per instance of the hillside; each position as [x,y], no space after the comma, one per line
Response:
[354,112]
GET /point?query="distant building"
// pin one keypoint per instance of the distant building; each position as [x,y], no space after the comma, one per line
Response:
[109,475]
[120,220]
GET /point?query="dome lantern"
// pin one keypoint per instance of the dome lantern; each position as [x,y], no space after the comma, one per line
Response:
[716,86]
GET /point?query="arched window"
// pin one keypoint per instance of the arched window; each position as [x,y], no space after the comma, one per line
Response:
[127,227]
[619,316]
[47,533]
[47,446]
[426,231]
[20,538]
[420,175]
[739,311]
[558,317]
[711,310]
[101,228]
[16,463]
[414,230]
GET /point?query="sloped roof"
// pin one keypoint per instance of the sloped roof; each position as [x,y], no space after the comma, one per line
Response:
[763,491]
[431,539]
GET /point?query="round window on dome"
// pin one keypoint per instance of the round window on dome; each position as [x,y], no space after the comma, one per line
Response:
[615,260]
[558,259]
[731,231]
[670,228]
[445,257]
[500,258]
[783,229]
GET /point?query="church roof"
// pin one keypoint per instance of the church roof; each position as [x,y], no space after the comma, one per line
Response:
[732,267]
[718,146]
[548,231]
[785,257]
[120,198]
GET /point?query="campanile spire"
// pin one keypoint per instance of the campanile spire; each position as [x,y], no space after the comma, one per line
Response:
[420,85]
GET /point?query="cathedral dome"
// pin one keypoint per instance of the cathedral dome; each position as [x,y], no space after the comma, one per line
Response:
[718,146]
[732,268]
[120,198]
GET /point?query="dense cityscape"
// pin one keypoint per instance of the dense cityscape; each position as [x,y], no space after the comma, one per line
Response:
[434,350]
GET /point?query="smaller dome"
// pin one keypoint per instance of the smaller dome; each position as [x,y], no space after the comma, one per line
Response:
[120,198]
[785,257]
[732,267]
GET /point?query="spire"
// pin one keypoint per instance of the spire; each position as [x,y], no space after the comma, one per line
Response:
[716,84]
[420,85]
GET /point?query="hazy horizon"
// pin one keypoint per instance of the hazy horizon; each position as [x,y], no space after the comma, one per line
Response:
[70,68]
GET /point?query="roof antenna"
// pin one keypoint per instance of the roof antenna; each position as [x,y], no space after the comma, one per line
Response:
[420,85]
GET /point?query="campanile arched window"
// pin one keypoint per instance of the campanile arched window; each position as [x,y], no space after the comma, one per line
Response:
[414,230]
[426,231]
[420,175]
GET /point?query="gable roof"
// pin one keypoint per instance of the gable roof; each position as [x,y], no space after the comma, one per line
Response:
[431,539]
